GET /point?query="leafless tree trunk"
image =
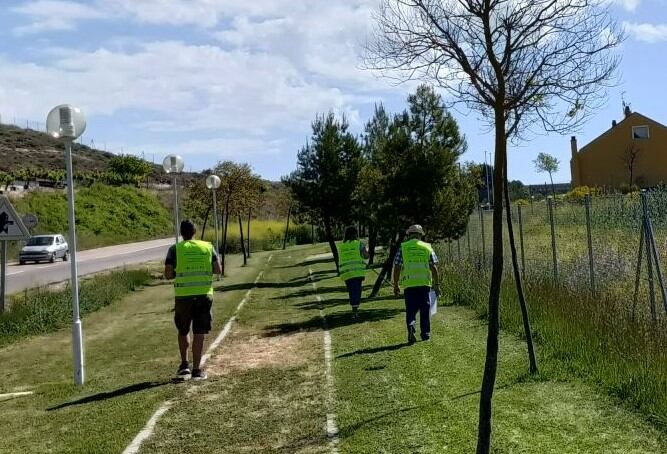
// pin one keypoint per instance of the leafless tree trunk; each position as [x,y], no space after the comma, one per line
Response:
[532,360]
[245,257]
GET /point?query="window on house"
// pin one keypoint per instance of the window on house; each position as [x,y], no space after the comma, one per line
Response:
[640,132]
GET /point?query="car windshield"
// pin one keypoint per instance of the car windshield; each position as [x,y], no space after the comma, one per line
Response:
[40,241]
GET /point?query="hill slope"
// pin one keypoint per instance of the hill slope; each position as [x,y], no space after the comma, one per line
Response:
[27,148]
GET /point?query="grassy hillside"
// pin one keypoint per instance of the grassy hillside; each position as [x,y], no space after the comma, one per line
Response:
[27,148]
[105,215]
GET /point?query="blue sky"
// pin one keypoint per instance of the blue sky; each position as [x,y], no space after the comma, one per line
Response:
[230,79]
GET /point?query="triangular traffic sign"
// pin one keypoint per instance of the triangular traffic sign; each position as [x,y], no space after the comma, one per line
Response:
[12,227]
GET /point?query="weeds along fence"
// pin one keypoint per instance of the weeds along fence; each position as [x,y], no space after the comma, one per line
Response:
[611,246]
[594,287]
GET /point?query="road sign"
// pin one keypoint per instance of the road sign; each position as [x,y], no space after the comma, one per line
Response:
[11,225]
[30,220]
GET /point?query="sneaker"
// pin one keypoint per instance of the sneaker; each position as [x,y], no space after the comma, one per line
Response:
[355,313]
[198,375]
[183,371]
[411,335]
[426,338]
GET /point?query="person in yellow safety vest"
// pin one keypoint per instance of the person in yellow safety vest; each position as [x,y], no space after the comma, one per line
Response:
[416,265]
[352,268]
[192,264]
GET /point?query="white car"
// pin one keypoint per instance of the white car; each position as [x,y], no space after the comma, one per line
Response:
[43,248]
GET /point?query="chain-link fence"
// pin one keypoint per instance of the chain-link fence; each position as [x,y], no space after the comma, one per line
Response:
[613,246]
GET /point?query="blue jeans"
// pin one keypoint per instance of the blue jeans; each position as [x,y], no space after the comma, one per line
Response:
[416,300]
[354,290]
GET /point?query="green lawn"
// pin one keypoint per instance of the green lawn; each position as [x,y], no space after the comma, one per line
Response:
[267,387]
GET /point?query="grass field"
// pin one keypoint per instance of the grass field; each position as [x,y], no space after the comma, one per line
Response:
[267,390]
[265,235]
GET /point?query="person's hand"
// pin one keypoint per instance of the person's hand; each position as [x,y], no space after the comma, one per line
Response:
[397,290]
[437,291]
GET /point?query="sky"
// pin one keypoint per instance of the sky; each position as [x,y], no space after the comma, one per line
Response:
[227,79]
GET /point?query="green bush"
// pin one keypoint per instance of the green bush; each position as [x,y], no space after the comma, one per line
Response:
[42,311]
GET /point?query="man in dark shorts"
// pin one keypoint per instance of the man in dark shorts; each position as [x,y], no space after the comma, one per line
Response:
[192,264]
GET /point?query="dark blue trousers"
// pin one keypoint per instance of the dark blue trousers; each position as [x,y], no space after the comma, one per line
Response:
[354,290]
[416,300]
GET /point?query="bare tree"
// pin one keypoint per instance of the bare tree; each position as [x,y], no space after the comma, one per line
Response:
[524,65]
[629,158]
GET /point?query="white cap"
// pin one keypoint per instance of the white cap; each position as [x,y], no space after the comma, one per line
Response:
[416,228]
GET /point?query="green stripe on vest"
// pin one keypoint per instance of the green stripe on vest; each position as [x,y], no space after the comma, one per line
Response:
[351,263]
[416,269]
[194,270]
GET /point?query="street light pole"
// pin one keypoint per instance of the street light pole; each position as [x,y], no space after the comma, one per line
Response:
[486,172]
[77,331]
[67,123]
[173,164]
[213,183]
[176,220]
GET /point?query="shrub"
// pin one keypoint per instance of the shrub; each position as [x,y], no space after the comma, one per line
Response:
[42,311]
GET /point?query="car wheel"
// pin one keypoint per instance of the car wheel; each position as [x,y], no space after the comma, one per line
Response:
[53,258]
[66,256]
[21,262]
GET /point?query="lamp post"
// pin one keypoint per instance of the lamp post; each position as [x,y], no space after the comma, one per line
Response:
[67,123]
[213,183]
[173,164]
[488,189]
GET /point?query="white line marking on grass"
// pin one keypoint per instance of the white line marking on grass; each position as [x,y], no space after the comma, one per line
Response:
[331,428]
[14,395]
[147,431]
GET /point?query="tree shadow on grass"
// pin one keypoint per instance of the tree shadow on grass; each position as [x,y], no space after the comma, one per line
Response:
[334,302]
[137,387]
[307,263]
[322,290]
[289,284]
[328,273]
[333,321]
[370,351]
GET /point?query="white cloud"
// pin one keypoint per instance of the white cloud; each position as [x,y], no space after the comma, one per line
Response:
[628,5]
[649,33]
[53,15]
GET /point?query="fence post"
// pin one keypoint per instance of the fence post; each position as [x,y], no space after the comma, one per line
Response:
[589,234]
[481,223]
[449,247]
[649,257]
[458,247]
[550,205]
[523,252]
[656,256]
[468,238]
[640,256]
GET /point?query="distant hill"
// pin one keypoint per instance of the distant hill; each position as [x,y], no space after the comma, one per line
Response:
[21,148]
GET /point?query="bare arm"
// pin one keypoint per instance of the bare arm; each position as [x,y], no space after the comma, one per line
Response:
[396,276]
[436,277]
[364,252]
[217,267]
[169,272]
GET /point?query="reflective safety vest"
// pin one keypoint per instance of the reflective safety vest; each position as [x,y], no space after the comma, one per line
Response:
[416,269]
[351,262]
[194,269]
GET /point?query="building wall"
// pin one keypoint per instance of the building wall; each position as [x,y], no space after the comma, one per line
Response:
[601,163]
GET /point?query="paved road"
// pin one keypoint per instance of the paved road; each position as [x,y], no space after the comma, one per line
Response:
[20,277]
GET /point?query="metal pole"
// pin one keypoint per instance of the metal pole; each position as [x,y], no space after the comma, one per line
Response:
[176,223]
[589,233]
[649,257]
[481,222]
[550,205]
[640,256]
[468,238]
[215,223]
[3,275]
[488,190]
[656,257]
[523,252]
[77,332]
